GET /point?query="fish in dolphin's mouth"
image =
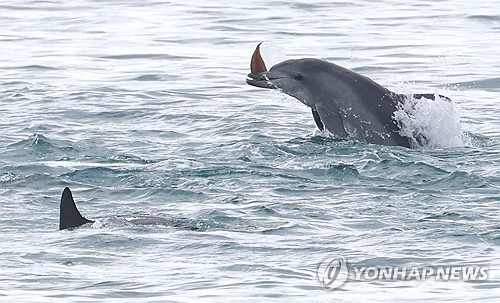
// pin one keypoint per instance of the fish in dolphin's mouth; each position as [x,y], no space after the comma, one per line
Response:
[259,75]
[257,64]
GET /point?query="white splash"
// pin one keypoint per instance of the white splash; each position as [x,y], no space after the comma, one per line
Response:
[430,123]
[272,54]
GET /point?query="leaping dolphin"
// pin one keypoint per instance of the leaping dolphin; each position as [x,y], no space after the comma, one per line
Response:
[344,102]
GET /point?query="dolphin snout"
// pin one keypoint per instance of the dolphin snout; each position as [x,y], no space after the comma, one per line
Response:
[258,76]
[259,80]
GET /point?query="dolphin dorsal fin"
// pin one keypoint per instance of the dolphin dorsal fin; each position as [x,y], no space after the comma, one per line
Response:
[257,64]
[69,216]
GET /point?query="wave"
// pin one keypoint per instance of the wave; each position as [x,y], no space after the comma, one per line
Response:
[490,84]
[430,123]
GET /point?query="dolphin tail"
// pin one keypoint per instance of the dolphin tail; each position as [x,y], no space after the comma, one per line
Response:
[69,216]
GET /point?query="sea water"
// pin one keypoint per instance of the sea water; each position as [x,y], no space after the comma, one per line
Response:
[141,108]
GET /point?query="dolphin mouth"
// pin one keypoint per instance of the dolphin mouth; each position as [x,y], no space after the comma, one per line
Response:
[260,80]
[265,79]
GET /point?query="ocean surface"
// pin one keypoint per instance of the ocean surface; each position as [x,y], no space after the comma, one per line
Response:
[141,108]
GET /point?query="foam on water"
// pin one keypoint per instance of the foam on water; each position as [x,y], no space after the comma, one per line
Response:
[430,123]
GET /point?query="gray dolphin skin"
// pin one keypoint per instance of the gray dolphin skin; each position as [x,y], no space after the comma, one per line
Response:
[344,102]
[69,216]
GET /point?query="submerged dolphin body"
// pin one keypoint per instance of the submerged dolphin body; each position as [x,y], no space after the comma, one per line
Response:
[344,102]
[70,217]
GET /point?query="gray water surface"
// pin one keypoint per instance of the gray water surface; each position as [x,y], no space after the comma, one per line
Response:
[141,108]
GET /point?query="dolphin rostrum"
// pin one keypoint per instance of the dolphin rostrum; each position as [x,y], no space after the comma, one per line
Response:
[344,102]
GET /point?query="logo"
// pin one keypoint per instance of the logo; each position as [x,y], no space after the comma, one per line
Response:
[332,272]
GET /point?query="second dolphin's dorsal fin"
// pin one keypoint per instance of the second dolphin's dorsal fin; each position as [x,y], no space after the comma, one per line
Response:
[257,64]
[69,216]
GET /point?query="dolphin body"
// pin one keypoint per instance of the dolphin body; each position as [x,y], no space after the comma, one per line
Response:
[70,217]
[344,102]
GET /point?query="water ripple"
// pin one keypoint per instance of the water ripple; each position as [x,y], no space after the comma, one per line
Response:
[141,107]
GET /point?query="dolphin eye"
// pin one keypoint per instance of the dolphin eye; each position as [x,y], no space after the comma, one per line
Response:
[299,76]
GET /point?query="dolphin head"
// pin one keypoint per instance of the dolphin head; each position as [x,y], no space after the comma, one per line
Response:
[293,77]
[288,77]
